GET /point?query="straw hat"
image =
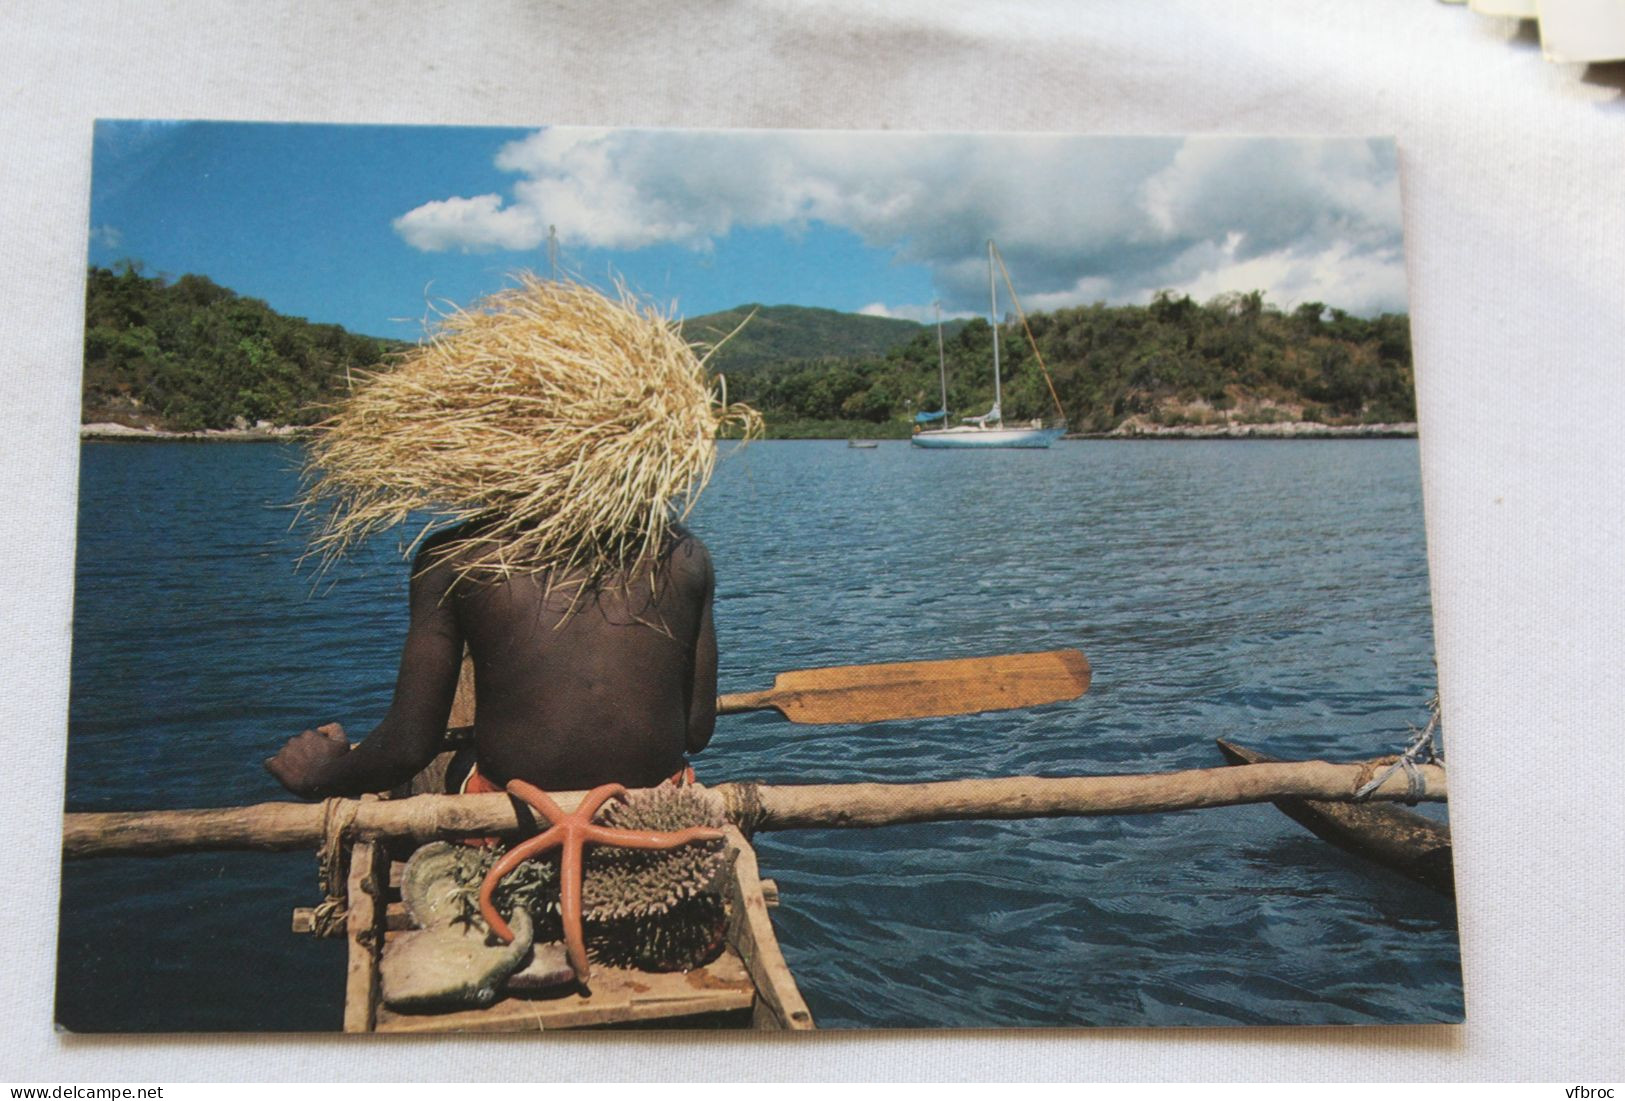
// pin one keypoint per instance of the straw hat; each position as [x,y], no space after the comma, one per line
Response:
[574,428]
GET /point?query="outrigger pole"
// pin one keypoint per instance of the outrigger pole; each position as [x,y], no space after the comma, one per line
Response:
[753,807]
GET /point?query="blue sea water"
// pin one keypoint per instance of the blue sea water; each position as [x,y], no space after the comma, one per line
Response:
[1273,592]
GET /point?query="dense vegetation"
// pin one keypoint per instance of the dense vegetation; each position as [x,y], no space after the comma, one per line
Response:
[1172,362]
[190,354]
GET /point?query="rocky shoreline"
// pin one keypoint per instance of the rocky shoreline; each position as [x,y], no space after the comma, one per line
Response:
[261,431]
[1280,430]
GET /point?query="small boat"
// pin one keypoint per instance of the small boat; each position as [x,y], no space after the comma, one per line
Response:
[965,435]
[989,429]
[747,986]
[1411,844]
[863,445]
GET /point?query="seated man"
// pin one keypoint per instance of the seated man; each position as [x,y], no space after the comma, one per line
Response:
[575,688]
[561,435]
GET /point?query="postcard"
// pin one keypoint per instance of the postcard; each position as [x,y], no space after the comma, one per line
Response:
[568,578]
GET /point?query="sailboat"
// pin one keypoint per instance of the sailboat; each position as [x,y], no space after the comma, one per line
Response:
[989,429]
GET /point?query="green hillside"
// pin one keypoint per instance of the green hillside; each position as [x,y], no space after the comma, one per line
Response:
[1173,362]
[189,354]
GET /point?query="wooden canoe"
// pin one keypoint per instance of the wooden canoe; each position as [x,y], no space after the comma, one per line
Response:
[748,986]
[1409,843]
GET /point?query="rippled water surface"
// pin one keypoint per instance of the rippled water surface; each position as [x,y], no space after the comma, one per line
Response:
[1274,592]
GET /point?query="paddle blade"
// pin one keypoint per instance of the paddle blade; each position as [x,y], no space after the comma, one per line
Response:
[928,689]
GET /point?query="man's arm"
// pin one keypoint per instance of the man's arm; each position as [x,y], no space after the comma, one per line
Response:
[702,704]
[321,764]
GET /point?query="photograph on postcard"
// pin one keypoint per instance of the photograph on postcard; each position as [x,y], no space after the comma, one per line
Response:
[567,578]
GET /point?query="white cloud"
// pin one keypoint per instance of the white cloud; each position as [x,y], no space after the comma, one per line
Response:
[1077,219]
[1276,191]
[480,224]
[1338,275]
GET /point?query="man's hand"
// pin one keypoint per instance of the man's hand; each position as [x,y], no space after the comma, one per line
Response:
[301,766]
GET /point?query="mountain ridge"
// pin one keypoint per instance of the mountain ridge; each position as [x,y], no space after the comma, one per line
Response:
[189,355]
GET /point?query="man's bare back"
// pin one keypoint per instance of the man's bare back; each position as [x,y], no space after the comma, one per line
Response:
[575,689]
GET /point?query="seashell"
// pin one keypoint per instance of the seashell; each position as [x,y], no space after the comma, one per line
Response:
[436,882]
[451,966]
[547,969]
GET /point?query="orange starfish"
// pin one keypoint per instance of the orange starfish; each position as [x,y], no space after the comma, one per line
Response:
[570,832]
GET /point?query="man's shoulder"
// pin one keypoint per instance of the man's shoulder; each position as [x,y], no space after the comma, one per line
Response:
[681,536]
[684,543]
[440,557]
[688,555]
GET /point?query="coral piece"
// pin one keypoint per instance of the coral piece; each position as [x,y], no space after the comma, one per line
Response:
[635,883]
[569,833]
[681,938]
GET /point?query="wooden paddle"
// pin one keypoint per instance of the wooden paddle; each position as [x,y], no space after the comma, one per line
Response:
[901,690]
[919,689]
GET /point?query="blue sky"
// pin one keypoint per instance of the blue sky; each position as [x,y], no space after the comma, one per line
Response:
[373,227]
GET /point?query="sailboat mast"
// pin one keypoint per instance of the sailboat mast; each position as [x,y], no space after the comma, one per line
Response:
[993,296]
[942,365]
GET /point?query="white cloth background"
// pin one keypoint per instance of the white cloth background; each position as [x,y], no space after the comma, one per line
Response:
[1514,188]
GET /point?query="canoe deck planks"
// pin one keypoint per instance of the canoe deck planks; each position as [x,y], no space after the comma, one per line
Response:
[748,985]
[719,992]
[366,890]
[778,1006]
[1411,844]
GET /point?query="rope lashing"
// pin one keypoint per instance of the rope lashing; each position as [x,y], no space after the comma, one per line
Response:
[1415,785]
[1420,750]
[742,801]
[329,918]
[338,817]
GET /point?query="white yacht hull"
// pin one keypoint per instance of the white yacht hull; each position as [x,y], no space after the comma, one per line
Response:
[970,436]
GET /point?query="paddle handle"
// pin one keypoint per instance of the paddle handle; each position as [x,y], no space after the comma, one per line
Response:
[461,731]
[735,702]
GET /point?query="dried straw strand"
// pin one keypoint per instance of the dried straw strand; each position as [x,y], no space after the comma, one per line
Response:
[573,428]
